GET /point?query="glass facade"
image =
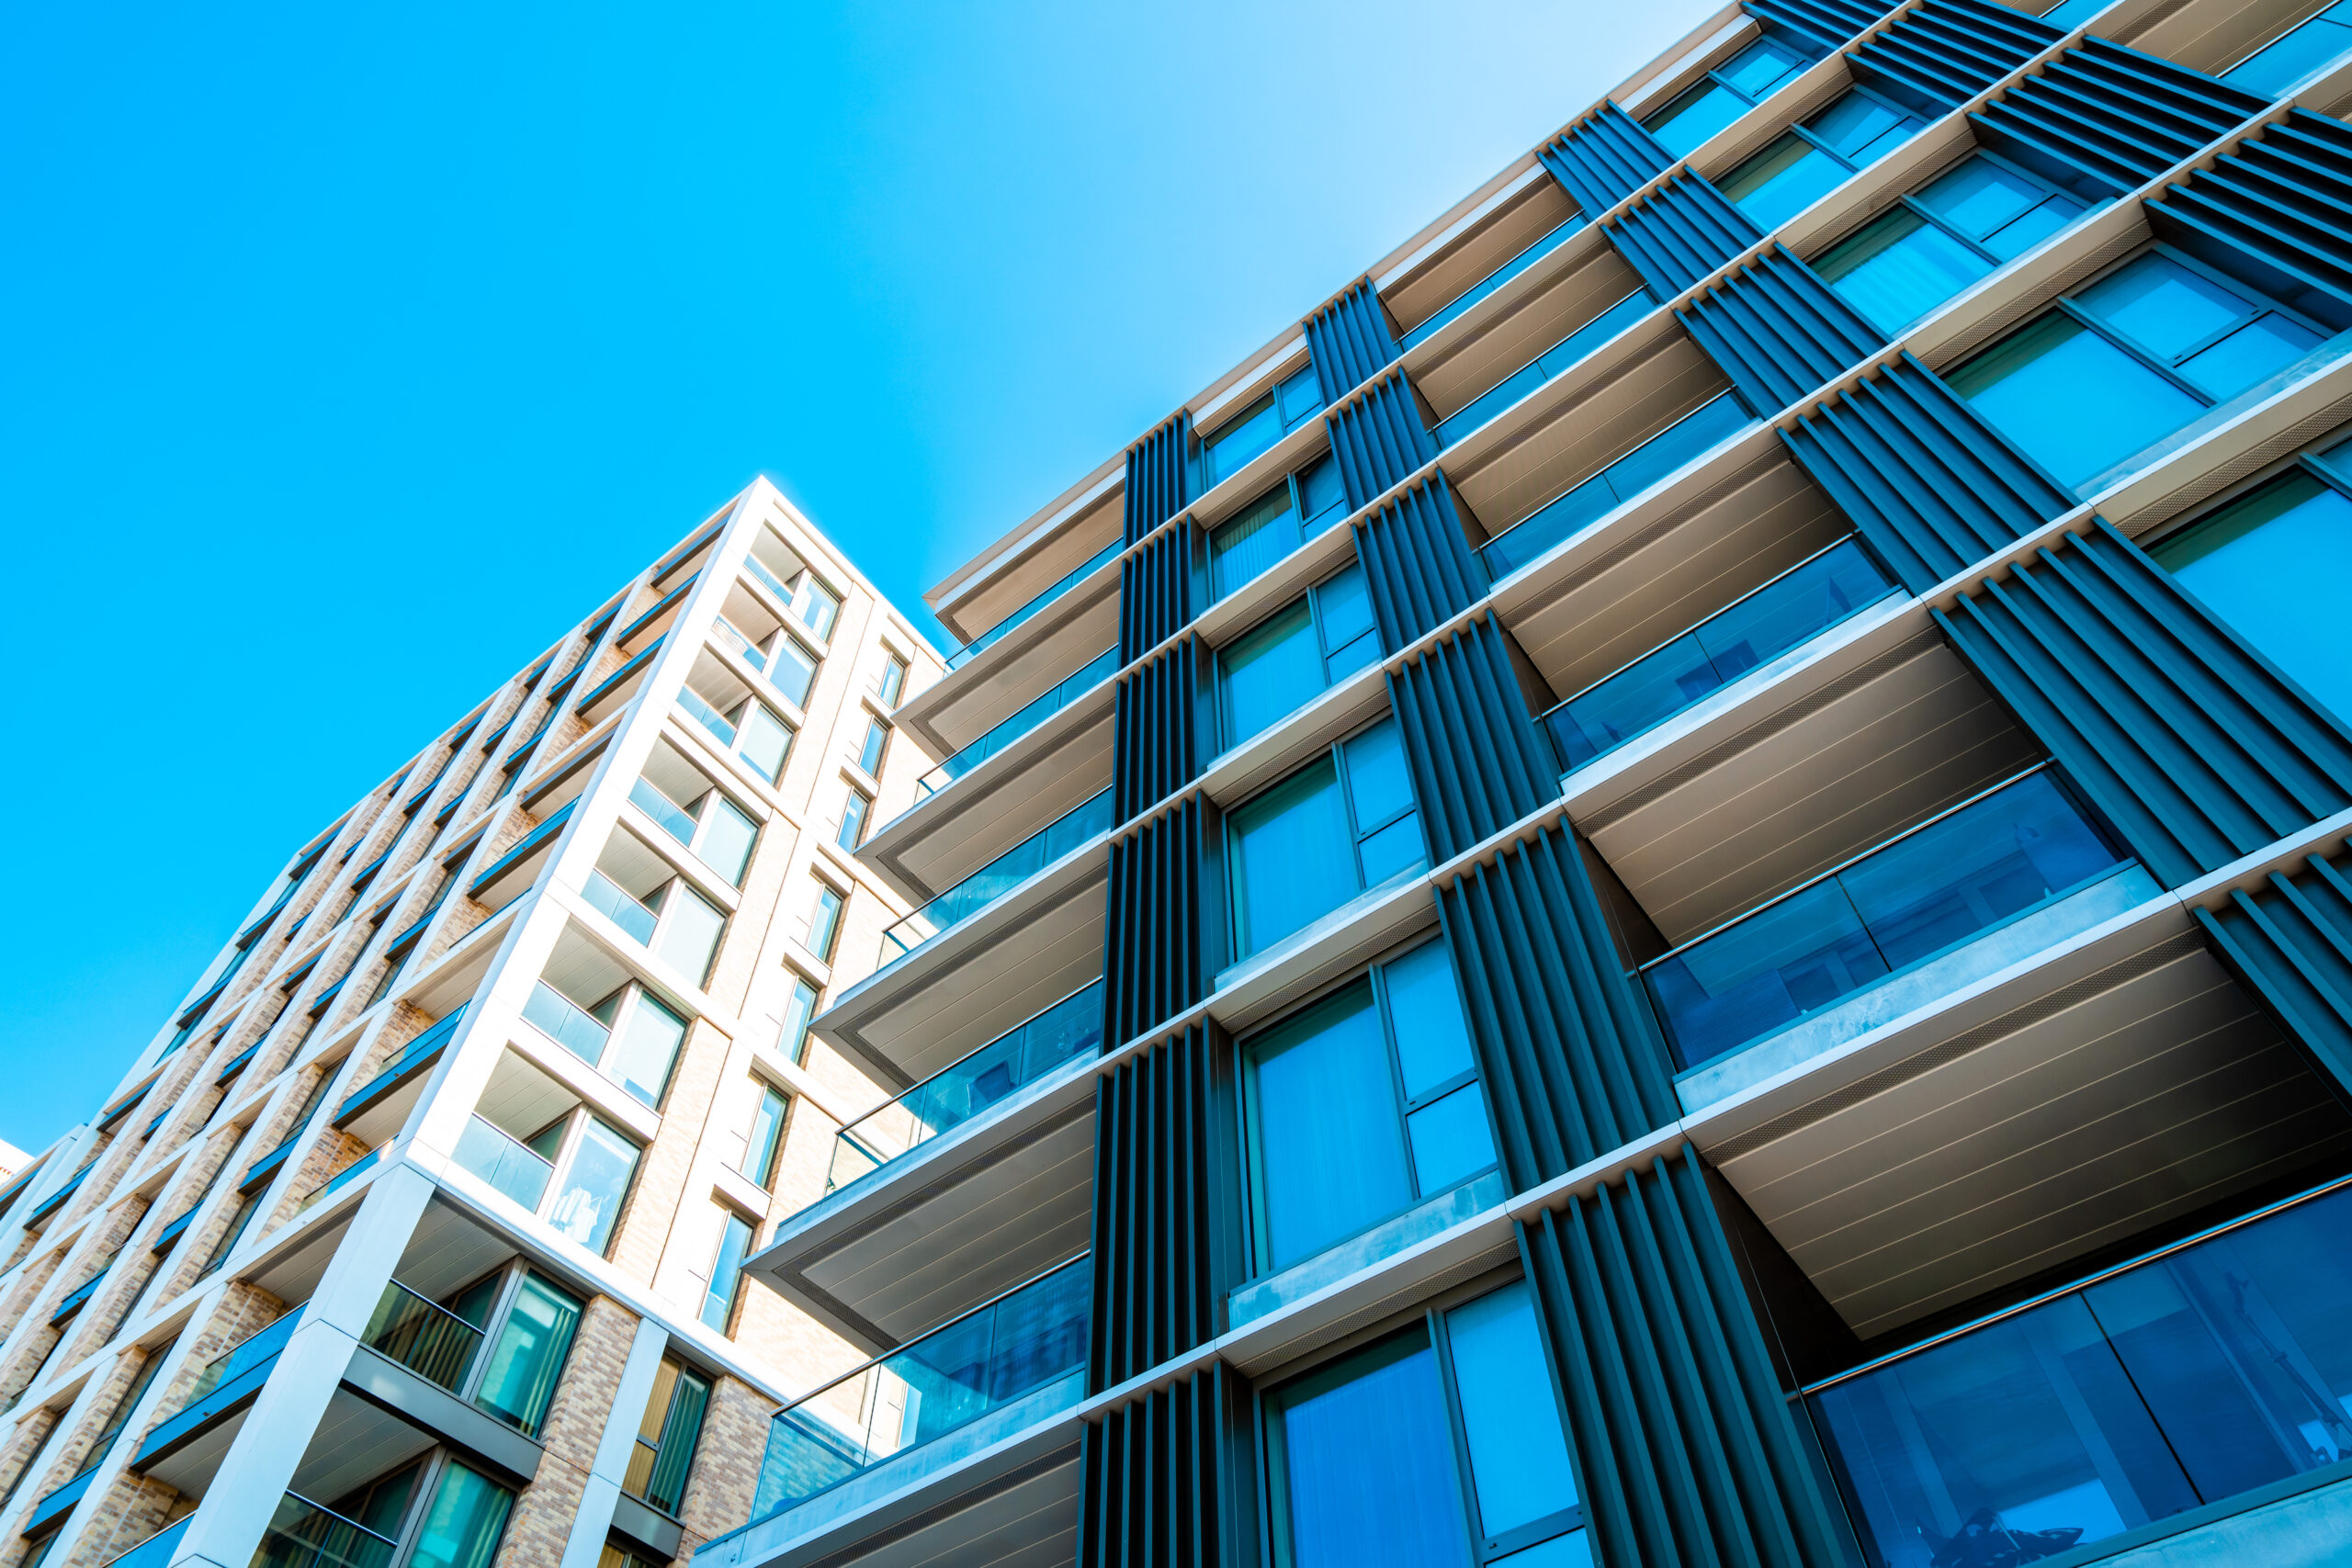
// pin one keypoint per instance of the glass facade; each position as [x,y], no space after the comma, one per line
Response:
[1274,525]
[1729,91]
[1943,237]
[1819,156]
[1225,451]
[528,1355]
[1277,665]
[1331,830]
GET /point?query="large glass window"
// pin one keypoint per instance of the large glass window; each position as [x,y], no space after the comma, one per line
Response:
[519,1377]
[792,1039]
[765,1138]
[2279,65]
[1335,828]
[590,1192]
[1224,453]
[2115,367]
[1939,239]
[1275,668]
[1276,524]
[1440,1445]
[1727,92]
[666,1434]
[1361,1107]
[2253,562]
[825,921]
[462,1526]
[764,740]
[1819,156]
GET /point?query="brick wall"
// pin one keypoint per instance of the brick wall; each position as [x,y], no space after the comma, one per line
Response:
[727,1464]
[541,1523]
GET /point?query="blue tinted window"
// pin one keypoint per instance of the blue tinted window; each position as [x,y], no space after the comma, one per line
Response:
[2252,563]
[1268,672]
[1518,1455]
[1862,129]
[1997,208]
[2256,350]
[1783,180]
[2073,401]
[1687,122]
[2278,65]
[1761,67]
[1364,1471]
[1900,268]
[2162,305]
[1329,1158]
[1293,858]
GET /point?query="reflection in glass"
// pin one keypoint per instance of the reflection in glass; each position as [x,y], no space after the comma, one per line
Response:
[2252,563]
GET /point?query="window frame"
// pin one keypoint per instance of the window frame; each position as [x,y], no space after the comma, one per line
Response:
[1806,134]
[1713,77]
[1247,1095]
[1293,484]
[2064,303]
[1908,202]
[1204,444]
[1429,1318]
[510,1276]
[1313,599]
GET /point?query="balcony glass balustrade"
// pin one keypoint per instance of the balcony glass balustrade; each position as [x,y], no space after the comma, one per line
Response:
[671,817]
[1792,608]
[562,1020]
[229,1377]
[1986,863]
[999,877]
[156,1551]
[613,901]
[709,717]
[1096,670]
[1023,1343]
[422,1335]
[1570,350]
[737,642]
[1708,425]
[504,1162]
[1070,1029]
[301,1534]
[989,638]
[1494,280]
[345,1177]
[2168,1383]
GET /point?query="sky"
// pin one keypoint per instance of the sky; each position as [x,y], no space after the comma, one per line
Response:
[350,354]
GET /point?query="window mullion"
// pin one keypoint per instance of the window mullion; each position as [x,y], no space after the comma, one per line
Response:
[2091,324]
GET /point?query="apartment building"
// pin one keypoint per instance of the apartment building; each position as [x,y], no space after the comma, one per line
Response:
[1671,887]
[414,1237]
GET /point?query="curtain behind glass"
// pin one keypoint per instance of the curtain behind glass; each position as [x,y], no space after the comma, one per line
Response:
[529,1354]
[1294,859]
[462,1527]
[1329,1160]
[1368,1465]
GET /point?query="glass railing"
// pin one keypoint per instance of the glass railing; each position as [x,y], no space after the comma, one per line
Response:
[156,1551]
[1982,864]
[613,901]
[953,1376]
[1799,604]
[1000,875]
[1619,482]
[345,1177]
[2171,1382]
[663,809]
[1070,1029]
[242,1357]
[556,1016]
[760,571]
[1494,280]
[748,651]
[1097,670]
[989,638]
[705,714]
[435,1036]
[301,1534]
[1570,350]
[427,1338]
[502,1162]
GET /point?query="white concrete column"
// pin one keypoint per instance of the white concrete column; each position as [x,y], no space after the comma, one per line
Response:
[590,1525]
[259,1467]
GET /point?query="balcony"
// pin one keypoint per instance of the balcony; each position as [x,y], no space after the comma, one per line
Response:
[1080,824]
[997,1369]
[989,638]
[608,899]
[1998,858]
[564,1021]
[1784,612]
[414,1059]
[504,1162]
[667,814]
[1569,352]
[427,1338]
[302,1534]
[1006,732]
[2178,1382]
[1063,1033]
[1494,280]
[228,1382]
[1622,480]
[155,1551]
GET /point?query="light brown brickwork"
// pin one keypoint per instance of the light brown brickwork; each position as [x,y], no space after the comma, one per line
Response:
[727,1463]
[541,1523]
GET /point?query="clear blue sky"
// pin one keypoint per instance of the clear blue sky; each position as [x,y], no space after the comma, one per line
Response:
[302,302]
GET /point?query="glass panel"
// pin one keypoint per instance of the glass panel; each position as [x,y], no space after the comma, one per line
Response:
[1330,1162]
[1980,867]
[602,892]
[1377,784]
[726,1268]
[816,605]
[2162,305]
[854,806]
[793,672]
[429,1341]
[1078,824]
[877,741]
[2250,563]
[1653,460]
[2271,69]
[1245,546]
[1268,672]
[1367,1469]
[1451,1140]
[505,1164]
[2028,1428]
[675,821]
[1020,723]
[1999,208]
[1323,492]
[792,1039]
[1569,351]
[1478,291]
[1425,1012]
[1259,427]
[555,1016]
[1519,1456]
[2073,401]
[1900,268]
[759,1144]
[824,921]
[1860,129]
[1571,1550]
[1343,607]
[2014,240]
[595,1186]
[2253,350]
[519,1378]
[1761,67]
[665,1479]
[1299,396]
[300,1535]
[462,1527]
[1292,858]
[727,840]
[1393,850]
[649,1045]
[951,1376]
[766,738]
[1684,125]
[1783,180]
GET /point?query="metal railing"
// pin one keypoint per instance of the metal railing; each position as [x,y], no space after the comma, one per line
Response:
[422,1335]
[1064,1031]
[1095,671]
[1087,819]
[303,1534]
